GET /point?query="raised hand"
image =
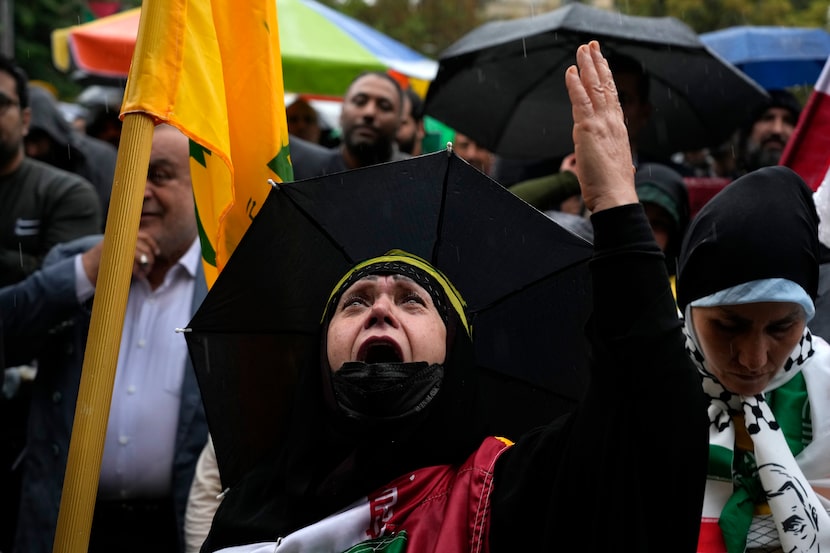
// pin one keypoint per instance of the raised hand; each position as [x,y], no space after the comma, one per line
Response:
[601,146]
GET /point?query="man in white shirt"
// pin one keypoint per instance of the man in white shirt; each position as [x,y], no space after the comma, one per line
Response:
[157,425]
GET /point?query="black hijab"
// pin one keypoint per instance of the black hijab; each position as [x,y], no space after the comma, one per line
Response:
[331,459]
[729,241]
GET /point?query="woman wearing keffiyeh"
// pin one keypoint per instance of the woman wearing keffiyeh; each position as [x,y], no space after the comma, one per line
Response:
[747,279]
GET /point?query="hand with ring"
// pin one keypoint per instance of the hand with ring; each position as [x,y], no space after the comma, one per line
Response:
[146,252]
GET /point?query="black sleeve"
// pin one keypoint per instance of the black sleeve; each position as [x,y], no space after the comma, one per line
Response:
[626,470]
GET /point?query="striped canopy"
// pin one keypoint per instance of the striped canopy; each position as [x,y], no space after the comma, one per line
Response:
[322,49]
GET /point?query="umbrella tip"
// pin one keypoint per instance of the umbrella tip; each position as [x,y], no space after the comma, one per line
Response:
[184,330]
[275,185]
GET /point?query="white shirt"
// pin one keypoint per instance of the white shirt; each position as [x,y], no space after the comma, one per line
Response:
[144,414]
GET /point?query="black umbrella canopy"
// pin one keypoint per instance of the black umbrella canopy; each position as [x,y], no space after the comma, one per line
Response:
[524,278]
[503,83]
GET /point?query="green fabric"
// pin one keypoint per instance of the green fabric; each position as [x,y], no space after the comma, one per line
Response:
[791,406]
[735,520]
[650,193]
[547,192]
[387,544]
[437,134]
[720,462]
[789,403]
[737,514]
[317,55]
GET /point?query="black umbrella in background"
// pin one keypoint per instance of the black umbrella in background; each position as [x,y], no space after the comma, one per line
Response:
[503,83]
[524,278]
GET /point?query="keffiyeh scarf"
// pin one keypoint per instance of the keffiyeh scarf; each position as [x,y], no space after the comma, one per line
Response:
[762,498]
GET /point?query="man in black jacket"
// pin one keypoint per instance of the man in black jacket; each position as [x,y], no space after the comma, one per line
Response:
[40,206]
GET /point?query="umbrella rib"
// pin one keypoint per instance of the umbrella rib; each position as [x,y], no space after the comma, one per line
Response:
[442,209]
[520,289]
[281,188]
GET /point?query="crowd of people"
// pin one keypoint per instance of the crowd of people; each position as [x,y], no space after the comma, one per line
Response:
[705,425]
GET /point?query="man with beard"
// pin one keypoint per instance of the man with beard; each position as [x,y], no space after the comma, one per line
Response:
[40,206]
[370,117]
[763,140]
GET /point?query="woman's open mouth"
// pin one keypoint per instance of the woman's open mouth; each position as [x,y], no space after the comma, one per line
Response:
[380,351]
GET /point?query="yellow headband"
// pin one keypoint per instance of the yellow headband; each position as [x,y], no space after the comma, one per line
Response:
[453,295]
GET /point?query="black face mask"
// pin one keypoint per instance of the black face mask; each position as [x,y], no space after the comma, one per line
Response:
[379,392]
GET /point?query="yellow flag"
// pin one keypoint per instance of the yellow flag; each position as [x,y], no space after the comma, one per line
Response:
[212,68]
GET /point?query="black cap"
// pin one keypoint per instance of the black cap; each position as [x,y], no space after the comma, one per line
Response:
[778,98]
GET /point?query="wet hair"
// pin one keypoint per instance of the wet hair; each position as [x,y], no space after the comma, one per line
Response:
[21,80]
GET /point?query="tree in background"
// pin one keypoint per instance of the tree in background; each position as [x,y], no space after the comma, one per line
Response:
[430,26]
[427,26]
[34,22]
[33,25]
[711,15]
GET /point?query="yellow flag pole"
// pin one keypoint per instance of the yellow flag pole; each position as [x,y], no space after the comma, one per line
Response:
[86,446]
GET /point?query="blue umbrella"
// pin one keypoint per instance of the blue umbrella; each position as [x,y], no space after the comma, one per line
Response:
[774,57]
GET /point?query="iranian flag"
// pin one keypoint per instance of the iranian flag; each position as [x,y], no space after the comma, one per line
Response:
[808,150]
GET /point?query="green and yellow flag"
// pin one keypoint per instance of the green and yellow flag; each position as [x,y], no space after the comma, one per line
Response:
[212,68]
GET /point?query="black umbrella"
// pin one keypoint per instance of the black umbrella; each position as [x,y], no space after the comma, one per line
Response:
[503,83]
[524,278]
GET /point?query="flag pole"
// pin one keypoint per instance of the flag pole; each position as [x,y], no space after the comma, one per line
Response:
[89,429]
